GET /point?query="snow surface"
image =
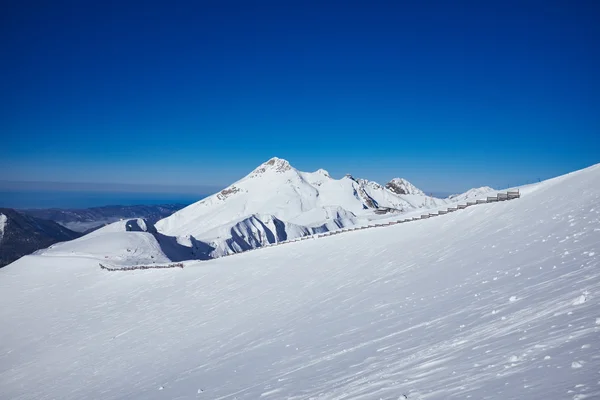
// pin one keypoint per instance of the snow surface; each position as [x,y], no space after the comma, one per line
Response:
[126,243]
[3,220]
[498,301]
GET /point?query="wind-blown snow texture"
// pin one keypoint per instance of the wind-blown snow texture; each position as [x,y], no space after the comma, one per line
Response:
[498,301]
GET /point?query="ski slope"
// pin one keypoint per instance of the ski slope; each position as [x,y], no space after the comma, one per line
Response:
[498,301]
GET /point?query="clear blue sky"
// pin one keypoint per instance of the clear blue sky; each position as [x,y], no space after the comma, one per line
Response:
[448,94]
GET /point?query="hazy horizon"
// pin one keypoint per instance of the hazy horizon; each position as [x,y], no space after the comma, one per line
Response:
[24,194]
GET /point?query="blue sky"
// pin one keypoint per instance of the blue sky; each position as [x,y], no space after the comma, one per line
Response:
[449,95]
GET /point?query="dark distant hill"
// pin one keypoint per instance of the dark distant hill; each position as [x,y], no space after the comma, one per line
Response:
[22,234]
[88,219]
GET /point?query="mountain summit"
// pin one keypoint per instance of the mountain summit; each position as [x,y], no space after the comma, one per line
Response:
[273,165]
[401,186]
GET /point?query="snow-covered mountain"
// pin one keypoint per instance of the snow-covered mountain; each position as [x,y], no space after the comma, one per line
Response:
[129,242]
[23,234]
[497,301]
[402,186]
[471,194]
[277,201]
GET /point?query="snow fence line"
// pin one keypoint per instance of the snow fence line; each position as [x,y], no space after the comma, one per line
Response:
[509,195]
[134,267]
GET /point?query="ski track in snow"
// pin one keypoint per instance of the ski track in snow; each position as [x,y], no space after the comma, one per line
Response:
[496,302]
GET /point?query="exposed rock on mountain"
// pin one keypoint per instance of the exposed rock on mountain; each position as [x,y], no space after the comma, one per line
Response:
[22,234]
[401,186]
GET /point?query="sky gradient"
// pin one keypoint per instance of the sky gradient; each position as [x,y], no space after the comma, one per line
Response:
[449,95]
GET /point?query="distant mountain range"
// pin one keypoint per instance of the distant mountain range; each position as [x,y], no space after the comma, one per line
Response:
[88,219]
[23,232]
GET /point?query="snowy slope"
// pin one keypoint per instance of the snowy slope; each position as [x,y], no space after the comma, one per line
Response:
[125,243]
[498,301]
[305,201]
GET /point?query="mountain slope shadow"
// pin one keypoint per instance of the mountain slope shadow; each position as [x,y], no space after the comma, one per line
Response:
[175,251]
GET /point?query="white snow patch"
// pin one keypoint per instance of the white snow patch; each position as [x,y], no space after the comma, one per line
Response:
[580,300]
[3,220]
[576,364]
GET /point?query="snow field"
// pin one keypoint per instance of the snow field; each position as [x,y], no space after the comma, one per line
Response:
[497,301]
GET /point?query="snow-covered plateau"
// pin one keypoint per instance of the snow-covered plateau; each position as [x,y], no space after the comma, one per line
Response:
[496,301]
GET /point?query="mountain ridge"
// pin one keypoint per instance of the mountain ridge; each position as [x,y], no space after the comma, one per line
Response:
[22,234]
[277,189]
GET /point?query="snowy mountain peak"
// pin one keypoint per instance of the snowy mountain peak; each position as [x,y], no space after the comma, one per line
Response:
[471,194]
[402,186]
[321,171]
[274,164]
